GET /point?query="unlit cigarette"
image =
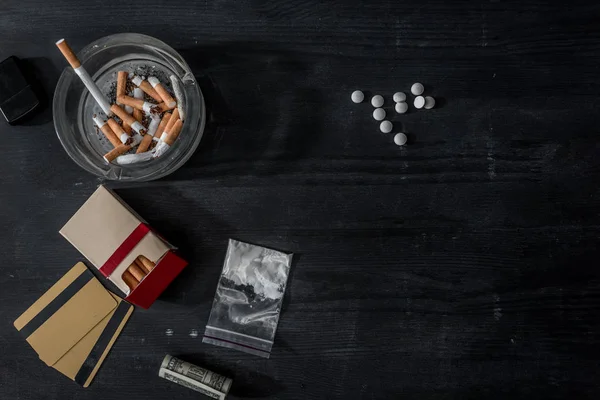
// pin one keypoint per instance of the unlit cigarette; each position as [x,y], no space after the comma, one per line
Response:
[84,76]
[174,132]
[107,131]
[178,95]
[121,83]
[146,87]
[136,271]
[117,151]
[118,130]
[128,119]
[162,92]
[148,265]
[138,104]
[130,280]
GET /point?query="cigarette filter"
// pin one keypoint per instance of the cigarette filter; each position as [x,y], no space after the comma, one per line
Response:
[196,378]
[138,94]
[136,271]
[138,104]
[130,280]
[121,83]
[146,263]
[140,265]
[127,129]
[152,128]
[118,130]
[162,92]
[146,87]
[117,151]
[174,132]
[107,131]
[163,107]
[162,126]
[170,123]
[178,95]
[84,76]
[128,119]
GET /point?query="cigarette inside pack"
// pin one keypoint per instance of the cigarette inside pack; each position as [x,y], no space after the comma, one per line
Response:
[123,247]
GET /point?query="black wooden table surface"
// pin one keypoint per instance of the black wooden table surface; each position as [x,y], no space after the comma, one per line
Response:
[461,266]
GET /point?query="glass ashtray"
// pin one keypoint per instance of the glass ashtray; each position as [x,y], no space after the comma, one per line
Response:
[74,107]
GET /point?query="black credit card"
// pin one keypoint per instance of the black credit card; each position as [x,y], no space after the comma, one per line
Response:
[17,98]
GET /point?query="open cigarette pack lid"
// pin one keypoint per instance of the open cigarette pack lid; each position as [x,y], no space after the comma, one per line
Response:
[114,238]
[74,324]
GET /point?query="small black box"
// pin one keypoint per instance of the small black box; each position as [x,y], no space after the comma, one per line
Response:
[17,98]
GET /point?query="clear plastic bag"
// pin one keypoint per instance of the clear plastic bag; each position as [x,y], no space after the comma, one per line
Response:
[246,308]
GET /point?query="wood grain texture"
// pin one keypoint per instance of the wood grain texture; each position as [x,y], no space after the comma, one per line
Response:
[462,266]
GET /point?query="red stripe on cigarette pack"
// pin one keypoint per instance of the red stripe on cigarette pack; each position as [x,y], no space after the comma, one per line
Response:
[124,249]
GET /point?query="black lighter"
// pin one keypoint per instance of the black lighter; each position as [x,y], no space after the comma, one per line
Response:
[17,98]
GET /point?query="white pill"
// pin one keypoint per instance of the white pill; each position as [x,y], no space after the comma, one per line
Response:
[399,96]
[379,114]
[401,108]
[386,127]
[358,96]
[377,101]
[419,101]
[417,89]
[400,139]
[429,102]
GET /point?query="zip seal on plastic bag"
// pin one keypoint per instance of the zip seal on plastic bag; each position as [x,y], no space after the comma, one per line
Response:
[248,300]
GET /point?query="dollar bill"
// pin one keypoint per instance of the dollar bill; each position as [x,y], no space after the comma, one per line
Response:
[191,376]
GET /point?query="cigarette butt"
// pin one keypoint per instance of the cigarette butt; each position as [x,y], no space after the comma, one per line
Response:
[162,92]
[172,120]
[107,131]
[163,107]
[117,151]
[138,94]
[147,264]
[160,149]
[178,96]
[127,129]
[138,115]
[138,104]
[130,280]
[66,51]
[121,83]
[163,124]
[146,87]
[118,130]
[144,144]
[174,132]
[136,271]
[128,119]
[152,129]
